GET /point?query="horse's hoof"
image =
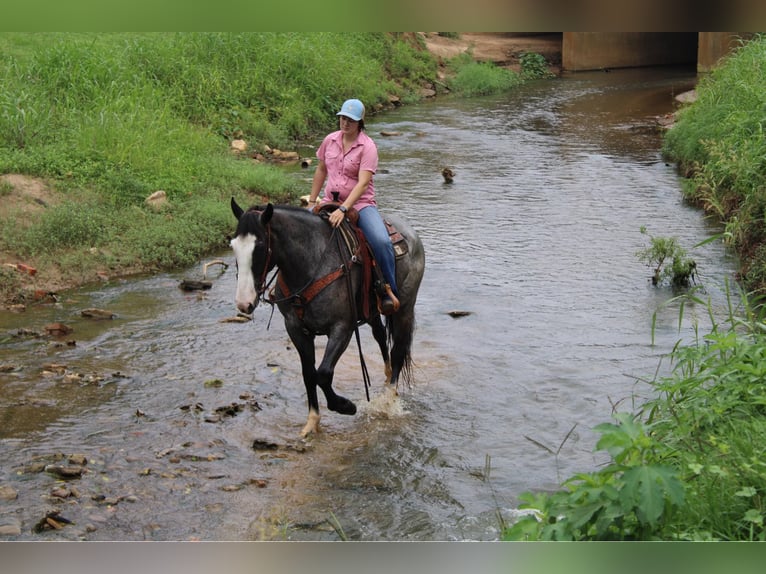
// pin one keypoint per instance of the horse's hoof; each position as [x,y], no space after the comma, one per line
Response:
[343,406]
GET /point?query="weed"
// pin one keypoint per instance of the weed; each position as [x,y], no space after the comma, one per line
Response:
[668,261]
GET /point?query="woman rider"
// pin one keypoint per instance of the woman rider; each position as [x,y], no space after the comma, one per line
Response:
[348,159]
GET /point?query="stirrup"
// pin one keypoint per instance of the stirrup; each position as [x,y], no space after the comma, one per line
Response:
[388,304]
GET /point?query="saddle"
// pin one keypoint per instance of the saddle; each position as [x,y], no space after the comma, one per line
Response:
[361,252]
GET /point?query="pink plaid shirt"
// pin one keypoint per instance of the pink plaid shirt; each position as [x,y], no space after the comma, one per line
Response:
[343,169]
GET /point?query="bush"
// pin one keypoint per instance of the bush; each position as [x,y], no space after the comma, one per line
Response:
[534,66]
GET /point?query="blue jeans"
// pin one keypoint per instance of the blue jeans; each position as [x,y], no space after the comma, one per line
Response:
[376,233]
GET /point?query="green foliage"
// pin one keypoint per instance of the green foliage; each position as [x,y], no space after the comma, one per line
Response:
[633,498]
[473,78]
[130,114]
[179,237]
[688,465]
[720,143]
[710,415]
[111,118]
[668,260]
[534,66]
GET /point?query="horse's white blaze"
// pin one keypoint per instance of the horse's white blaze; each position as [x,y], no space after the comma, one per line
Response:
[243,247]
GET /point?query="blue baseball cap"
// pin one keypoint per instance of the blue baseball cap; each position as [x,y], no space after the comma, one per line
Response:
[353,109]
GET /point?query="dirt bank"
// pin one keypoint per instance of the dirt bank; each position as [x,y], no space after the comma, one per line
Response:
[501,48]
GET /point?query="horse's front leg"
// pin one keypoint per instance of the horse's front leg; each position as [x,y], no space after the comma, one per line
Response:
[304,344]
[337,342]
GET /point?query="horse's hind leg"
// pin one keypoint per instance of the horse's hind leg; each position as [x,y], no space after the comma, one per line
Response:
[401,327]
[379,332]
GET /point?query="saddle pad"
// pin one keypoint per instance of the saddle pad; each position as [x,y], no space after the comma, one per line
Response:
[397,240]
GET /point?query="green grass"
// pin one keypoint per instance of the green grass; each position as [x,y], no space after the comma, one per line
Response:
[108,119]
[719,141]
[471,78]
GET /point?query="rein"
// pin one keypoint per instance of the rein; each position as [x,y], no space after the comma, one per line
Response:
[352,302]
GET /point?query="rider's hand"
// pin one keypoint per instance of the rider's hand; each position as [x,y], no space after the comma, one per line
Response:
[336,217]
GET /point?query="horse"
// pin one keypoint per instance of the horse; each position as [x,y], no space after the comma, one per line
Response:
[321,290]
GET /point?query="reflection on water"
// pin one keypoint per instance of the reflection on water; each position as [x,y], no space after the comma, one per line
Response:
[535,240]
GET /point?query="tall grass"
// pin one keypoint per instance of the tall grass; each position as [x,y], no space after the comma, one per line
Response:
[473,78]
[110,118]
[719,140]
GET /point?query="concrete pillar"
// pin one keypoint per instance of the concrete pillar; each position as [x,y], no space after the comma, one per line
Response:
[713,46]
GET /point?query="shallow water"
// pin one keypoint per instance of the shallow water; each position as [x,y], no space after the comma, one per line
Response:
[535,239]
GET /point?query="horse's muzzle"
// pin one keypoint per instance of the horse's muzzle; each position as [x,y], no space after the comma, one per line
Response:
[247,308]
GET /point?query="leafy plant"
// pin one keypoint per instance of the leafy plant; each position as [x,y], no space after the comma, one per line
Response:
[688,465]
[533,66]
[633,498]
[668,261]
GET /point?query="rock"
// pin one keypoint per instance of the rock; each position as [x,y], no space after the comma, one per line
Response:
[262,444]
[57,368]
[10,528]
[8,493]
[190,285]
[80,459]
[64,471]
[51,521]
[97,314]
[158,200]
[456,314]
[279,155]
[687,97]
[237,319]
[239,146]
[58,329]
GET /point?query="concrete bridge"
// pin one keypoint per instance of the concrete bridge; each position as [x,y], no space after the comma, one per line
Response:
[581,51]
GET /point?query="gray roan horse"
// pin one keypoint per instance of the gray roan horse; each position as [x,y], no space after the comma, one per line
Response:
[320,291]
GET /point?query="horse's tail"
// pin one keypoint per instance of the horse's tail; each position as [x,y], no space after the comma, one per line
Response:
[400,328]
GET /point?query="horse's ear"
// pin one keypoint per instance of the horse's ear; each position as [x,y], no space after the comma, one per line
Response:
[267,213]
[236,209]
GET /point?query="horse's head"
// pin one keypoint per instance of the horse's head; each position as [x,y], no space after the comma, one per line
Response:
[252,253]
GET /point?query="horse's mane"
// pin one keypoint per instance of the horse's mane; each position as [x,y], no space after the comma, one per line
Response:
[249,222]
